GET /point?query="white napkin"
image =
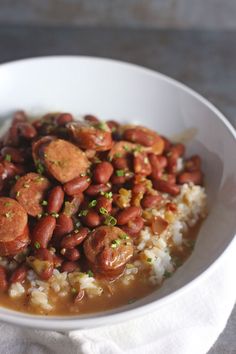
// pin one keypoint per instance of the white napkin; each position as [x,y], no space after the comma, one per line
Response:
[190,324]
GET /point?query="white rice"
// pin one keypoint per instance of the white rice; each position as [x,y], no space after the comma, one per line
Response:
[191,206]
[16,290]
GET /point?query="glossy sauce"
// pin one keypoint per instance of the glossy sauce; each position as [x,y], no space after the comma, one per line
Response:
[115,293]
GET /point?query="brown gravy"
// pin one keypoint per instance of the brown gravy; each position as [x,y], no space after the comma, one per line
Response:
[115,295]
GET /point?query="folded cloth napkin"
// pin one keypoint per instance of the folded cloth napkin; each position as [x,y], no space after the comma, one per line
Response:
[190,324]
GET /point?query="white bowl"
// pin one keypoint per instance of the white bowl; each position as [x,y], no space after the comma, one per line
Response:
[126,92]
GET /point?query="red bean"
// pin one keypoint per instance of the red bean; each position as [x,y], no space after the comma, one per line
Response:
[57,260]
[44,272]
[68,266]
[120,163]
[177,150]
[91,119]
[142,164]
[3,279]
[128,214]
[77,185]
[151,200]
[118,179]
[105,203]
[102,172]
[133,227]
[92,219]
[19,116]
[75,239]
[15,154]
[158,163]
[139,136]
[139,188]
[19,274]
[64,225]
[27,130]
[42,232]
[95,189]
[64,118]
[166,187]
[55,200]
[195,177]
[72,254]
[113,125]
[193,164]
[167,143]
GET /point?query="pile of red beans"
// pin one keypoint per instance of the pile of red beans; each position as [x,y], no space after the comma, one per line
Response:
[73,194]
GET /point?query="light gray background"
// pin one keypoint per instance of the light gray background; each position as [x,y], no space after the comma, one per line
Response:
[210,14]
[193,41]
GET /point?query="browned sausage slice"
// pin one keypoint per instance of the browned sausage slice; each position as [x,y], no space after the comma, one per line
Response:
[64,161]
[14,233]
[29,191]
[108,249]
[91,137]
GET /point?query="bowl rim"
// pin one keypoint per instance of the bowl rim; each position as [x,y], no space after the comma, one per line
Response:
[67,323]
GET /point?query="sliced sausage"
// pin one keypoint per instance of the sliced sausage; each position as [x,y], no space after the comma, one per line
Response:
[64,161]
[14,233]
[107,250]
[30,191]
[91,137]
[42,231]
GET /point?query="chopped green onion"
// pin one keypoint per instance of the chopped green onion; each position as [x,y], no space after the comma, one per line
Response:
[120,173]
[55,215]
[8,157]
[126,148]
[17,177]
[44,202]
[8,214]
[93,203]
[149,260]
[73,290]
[39,167]
[102,126]
[103,211]
[18,194]
[90,273]
[110,221]
[39,179]
[137,148]
[115,243]
[39,216]
[83,212]
[26,185]
[124,237]
[37,245]
[117,155]
[108,195]
[7,204]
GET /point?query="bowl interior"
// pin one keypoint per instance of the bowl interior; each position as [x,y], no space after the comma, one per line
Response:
[127,93]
